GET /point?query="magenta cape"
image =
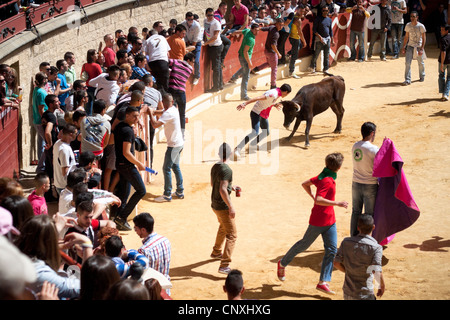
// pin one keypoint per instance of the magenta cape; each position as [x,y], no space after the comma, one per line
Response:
[395,208]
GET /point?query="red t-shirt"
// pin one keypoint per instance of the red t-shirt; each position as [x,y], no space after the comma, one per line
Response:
[110,57]
[322,216]
[93,70]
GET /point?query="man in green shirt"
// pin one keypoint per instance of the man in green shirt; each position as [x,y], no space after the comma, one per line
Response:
[221,178]
[245,56]
[70,74]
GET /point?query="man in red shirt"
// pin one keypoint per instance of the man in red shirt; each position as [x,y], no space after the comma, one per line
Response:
[321,222]
[108,51]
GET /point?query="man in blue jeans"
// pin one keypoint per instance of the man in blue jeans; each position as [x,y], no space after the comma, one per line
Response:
[170,118]
[323,31]
[245,57]
[128,166]
[322,221]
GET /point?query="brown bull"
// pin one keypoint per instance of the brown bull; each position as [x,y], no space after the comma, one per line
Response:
[313,99]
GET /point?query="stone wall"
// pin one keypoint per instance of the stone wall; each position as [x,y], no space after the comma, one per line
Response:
[60,35]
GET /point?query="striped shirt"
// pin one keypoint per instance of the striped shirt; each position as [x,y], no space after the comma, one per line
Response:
[158,250]
[133,256]
[181,71]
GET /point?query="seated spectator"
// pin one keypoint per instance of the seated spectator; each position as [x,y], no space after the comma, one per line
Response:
[87,225]
[123,258]
[19,208]
[36,198]
[98,275]
[234,285]
[139,69]
[39,240]
[87,161]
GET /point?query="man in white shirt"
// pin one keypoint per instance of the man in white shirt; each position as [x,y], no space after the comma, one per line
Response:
[364,185]
[413,47]
[63,157]
[157,51]
[170,118]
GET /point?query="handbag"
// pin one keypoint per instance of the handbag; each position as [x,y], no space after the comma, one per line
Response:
[139,145]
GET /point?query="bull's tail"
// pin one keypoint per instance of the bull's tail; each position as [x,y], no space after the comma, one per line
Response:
[332,75]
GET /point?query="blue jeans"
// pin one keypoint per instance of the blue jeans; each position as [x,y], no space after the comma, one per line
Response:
[444,83]
[245,72]
[319,46]
[360,36]
[396,34]
[129,176]
[90,104]
[408,59]
[172,163]
[295,48]
[329,237]
[40,146]
[373,37]
[257,122]
[362,195]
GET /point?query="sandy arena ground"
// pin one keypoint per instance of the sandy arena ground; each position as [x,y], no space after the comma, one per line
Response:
[273,211]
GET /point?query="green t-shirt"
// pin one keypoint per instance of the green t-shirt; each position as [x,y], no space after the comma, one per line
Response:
[219,172]
[248,40]
[39,95]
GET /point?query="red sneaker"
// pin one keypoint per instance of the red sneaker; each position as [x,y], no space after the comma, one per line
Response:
[325,288]
[281,271]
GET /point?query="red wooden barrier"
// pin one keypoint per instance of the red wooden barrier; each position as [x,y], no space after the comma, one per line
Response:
[9,151]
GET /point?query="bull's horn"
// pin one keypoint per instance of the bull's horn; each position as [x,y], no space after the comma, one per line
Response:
[297,106]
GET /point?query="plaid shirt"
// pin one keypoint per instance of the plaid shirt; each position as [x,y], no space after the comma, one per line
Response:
[158,250]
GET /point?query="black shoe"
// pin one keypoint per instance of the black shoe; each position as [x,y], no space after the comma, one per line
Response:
[212,90]
[122,225]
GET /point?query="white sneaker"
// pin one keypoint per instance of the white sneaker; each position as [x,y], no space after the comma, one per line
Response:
[444,97]
[293,75]
[195,82]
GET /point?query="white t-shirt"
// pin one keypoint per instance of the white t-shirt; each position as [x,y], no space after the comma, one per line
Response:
[63,156]
[172,127]
[210,28]
[364,153]
[107,90]
[415,34]
[272,96]
[157,48]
